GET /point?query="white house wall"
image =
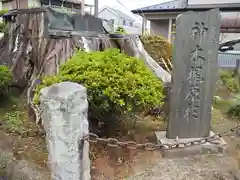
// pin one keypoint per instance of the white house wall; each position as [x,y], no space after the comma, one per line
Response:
[7,5]
[34,3]
[118,21]
[106,14]
[159,24]
[156,16]
[159,27]
[131,30]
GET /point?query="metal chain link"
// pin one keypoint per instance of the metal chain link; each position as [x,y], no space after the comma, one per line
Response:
[112,142]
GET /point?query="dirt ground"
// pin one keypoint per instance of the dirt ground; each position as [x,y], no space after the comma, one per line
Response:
[117,163]
[222,123]
[108,163]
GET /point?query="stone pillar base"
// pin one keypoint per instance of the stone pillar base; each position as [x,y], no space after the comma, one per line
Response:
[237,175]
[216,147]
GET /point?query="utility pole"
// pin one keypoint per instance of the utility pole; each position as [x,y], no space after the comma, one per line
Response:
[17,4]
[95,8]
[83,7]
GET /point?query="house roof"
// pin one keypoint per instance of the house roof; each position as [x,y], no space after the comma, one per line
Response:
[71,1]
[119,13]
[182,5]
[171,5]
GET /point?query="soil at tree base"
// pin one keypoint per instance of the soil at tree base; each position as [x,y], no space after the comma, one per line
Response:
[117,164]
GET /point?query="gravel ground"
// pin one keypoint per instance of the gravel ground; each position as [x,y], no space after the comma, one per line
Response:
[204,167]
[201,167]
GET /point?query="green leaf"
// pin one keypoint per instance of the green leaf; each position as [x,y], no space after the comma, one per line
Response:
[115,81]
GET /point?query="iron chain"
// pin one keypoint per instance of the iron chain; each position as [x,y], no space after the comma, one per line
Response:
[112,142]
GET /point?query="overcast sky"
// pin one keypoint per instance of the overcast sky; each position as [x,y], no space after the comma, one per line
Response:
[129,4]
[134,4]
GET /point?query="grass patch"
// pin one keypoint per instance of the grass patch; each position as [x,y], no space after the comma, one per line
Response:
[234,109]
[222,104]
[14,116]
[13,113]
[26,143]
[14,121]
[3,165]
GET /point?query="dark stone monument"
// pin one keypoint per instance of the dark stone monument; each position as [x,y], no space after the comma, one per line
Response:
[194,74]
[237,73]
[237,68]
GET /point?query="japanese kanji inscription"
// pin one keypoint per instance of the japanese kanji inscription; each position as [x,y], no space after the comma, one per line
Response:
[194,74]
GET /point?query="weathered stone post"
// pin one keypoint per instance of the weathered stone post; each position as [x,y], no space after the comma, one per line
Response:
[65,121]
[194,74]
[194,78]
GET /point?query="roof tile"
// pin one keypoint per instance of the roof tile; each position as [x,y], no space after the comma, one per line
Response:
[175,4]
[183,5]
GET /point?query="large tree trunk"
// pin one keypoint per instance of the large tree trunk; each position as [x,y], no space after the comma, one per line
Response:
[30,53]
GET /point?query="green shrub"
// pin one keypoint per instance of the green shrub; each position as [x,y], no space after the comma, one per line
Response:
[116,83]
[2,26]
[5,79]
[234,106]
[3,23]
[234,110]
[3,11]
[228,79]
[120,30]
[222,104]
[158,48]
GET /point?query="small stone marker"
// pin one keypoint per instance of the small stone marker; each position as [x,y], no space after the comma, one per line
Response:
[194,74]
[65,121]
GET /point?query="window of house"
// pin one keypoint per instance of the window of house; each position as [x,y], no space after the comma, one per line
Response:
[112,21]
[124,22]
[173,28]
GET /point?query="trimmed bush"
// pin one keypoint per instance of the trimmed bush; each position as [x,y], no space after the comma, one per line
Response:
[5,79]
[228,80]
[116,83]
[3,11]
[234,109]
[158,47]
